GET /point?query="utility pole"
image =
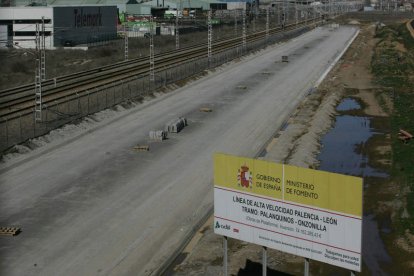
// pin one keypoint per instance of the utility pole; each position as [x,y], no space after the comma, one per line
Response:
[177,32]
[330,8]
[287,12]
[235,22]
[38,80]
[267,23]
[254,24]
[152,60]
[126,42]
[43,52]
[306,14]
[210,37]
[278,14]
[296,12]
[244,30]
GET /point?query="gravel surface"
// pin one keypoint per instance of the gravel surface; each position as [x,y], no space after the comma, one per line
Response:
[92,205]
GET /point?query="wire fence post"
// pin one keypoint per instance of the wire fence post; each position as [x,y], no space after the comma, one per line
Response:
[34,126]
[88,103]
[165,77]
[67,105]
[7,133]
[20,127]
[122,90]
[79,105]
[114,97]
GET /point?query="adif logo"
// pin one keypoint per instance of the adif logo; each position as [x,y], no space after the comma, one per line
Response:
[223,226]
[244,177]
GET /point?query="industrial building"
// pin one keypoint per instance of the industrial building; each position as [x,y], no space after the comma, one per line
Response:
[134,6]
[82,22]
[63,26]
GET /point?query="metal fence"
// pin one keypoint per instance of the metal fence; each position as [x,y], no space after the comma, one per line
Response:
[72,108]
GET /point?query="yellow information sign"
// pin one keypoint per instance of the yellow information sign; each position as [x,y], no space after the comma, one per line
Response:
[331,191]
[309,213]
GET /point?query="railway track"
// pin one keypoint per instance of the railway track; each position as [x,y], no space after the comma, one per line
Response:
[16,92]
[8,95]
[20,101]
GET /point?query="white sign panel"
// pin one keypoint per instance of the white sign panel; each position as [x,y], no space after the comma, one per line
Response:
[285,208]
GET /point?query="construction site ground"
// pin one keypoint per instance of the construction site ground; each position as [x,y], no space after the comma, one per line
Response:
[299,144]
[92,204]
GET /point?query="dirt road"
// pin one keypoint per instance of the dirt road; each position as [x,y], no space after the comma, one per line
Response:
[93,206]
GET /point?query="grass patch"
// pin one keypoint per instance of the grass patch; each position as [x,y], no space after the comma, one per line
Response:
[405,36]
[392,67]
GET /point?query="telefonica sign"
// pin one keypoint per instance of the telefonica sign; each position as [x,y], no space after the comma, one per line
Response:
[88,19]
[310,213]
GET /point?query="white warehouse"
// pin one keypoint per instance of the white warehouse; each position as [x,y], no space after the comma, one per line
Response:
[64,26]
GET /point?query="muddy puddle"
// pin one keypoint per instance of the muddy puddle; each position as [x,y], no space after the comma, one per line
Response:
[342,147]
[343,152]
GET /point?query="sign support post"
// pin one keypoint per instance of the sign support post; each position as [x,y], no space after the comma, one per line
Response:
[264,269]
[353,273]
[225,271]
[306,273]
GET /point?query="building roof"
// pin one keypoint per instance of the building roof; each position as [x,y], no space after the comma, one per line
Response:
[173,4]
[118,2]
[76,2]
[167,3]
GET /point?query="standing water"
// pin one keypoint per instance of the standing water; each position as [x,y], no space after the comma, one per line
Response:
[342,152]
[340,146]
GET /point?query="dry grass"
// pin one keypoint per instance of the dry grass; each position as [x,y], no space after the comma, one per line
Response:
[18,64]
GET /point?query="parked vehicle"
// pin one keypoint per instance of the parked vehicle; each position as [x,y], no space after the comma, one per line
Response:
[173,14]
